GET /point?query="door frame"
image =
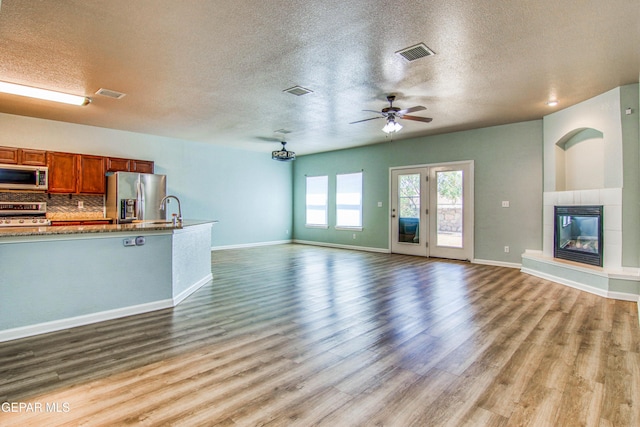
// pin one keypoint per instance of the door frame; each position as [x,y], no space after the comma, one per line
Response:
[420,249]
[469,201]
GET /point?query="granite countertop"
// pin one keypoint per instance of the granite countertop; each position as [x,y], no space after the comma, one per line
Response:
[103,228]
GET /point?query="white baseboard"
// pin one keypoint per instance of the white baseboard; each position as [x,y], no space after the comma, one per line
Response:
[338,246]
[623,296]
[250,245]
[497,263]
[72,322]
[191,289]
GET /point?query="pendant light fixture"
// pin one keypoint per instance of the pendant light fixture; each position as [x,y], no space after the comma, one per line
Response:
[283,155]
[45,94]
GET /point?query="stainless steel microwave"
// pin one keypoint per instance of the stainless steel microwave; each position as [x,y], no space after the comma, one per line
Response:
[20,177]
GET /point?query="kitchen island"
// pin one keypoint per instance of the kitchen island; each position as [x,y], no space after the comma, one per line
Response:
[55,278]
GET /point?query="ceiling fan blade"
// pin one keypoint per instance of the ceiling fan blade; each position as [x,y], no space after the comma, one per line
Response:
[365,120]
[268,139]
[411,110]
[418,119]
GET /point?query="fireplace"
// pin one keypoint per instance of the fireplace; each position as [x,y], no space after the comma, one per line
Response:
[578,234]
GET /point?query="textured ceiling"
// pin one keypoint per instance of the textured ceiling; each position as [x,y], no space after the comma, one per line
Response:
[215,71]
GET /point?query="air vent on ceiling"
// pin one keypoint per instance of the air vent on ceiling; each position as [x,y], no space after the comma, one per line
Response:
[415,52]
[110,93]
[298,91]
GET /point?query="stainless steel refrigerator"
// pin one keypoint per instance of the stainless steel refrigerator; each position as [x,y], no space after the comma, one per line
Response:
[135,196]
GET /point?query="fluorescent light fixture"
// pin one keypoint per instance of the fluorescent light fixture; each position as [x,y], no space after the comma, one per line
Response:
[391,126]
[47,95]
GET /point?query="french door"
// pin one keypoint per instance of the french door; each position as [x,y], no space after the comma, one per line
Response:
[432,210]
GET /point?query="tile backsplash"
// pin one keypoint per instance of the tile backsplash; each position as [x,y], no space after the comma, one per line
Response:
[60,203]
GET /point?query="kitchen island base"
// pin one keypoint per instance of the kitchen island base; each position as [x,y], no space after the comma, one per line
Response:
[58,281]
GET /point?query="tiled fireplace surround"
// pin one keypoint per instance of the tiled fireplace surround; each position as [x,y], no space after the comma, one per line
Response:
[612,280]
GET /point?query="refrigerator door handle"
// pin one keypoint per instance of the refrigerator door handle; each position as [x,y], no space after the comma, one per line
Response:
[142,201]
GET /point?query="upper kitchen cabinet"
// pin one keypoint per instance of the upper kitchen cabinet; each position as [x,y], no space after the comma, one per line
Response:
[32,157]
[23,156]
[63,172]
[76,173]
[9,155]
[91,174]
[142,166]
[115,164]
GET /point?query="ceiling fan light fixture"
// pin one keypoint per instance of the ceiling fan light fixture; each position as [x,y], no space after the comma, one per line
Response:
[391,126]
[44,94]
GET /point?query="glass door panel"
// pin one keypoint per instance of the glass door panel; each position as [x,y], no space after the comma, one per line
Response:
[409,198]
[449,203]
[451,231]
[409,208]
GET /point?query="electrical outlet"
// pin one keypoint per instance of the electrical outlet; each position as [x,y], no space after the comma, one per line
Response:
[354,236]
[129,241]
[505,203]
[506,249]
[80,204]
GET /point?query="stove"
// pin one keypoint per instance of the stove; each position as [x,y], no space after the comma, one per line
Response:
[19,214]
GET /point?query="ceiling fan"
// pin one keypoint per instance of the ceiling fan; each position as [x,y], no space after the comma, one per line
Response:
[392,114]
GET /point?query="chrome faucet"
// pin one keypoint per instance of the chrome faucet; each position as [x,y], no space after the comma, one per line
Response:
[163,204]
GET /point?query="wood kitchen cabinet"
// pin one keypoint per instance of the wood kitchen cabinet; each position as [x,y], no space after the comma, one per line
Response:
[91,174]
[118,165]
[142,166]
[63,172]
[23,156]
[28,156]
[57,223]
[115,164]
[76,173]
[9,155]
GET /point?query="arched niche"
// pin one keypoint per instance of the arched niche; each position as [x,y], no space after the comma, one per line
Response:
[580,160]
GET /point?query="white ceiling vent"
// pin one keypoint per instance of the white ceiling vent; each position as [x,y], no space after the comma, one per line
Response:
[298,91]
[415,52]
[110,93]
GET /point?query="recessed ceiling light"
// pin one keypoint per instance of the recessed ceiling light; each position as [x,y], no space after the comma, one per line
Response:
[552,103]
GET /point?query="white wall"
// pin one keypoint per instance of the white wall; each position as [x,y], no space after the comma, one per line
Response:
[249,193]
[601,113]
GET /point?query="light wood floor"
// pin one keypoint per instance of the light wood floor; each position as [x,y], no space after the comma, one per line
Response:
[298,335]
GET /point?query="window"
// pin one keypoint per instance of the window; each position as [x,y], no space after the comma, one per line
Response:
[317,190]
[349,200]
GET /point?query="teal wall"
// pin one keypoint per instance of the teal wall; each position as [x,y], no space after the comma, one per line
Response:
[249,193]
[508,166]
[80,277]
[629,98]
